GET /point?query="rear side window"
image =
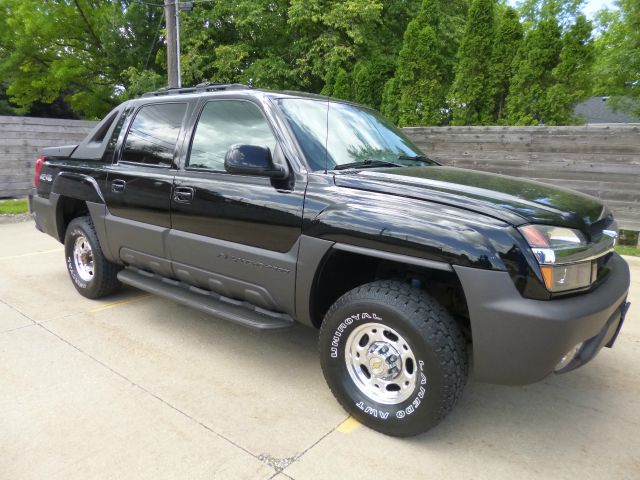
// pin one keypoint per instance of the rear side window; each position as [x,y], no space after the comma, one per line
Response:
[224,123]
[153,134]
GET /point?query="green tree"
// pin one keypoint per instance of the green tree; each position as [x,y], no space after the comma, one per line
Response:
[325,32]
[74,51]
[617,69]
[247,41]
[470,97]
[389,102]
[505,47]
[342,88]
[369,78]
[573,74]
[538,56]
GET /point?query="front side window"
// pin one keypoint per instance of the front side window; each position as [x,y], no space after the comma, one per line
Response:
[153,134]
[224,123]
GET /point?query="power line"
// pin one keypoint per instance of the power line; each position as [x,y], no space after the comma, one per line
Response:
[194,2]
[155,39]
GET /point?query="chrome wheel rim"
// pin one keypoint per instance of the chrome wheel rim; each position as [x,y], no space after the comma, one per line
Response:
[83,258]
[381,363]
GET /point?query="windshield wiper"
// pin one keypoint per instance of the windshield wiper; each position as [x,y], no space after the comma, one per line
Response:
[367,164]
[416,158]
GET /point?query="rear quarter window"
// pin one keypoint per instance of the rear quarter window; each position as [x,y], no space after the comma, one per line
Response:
[152,137]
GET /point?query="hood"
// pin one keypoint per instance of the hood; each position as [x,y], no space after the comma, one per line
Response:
[513,200]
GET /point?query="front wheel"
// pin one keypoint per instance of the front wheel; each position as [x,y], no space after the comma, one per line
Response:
[393,357]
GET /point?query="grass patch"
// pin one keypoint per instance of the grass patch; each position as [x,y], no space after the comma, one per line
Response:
[14,207]
[628,250]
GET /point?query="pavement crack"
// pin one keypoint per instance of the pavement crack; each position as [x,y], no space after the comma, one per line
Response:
[149,392]
[285,462]
[18,311]
[281,474]
[278,464]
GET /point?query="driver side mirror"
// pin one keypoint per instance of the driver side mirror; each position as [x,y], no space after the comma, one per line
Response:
[253,160]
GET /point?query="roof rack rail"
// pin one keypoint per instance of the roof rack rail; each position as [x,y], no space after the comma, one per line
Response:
[201,87]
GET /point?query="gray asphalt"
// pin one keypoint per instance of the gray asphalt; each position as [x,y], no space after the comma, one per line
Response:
[138,387]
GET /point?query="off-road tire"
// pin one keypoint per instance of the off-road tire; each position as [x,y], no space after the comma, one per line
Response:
[433,338]
[104,279]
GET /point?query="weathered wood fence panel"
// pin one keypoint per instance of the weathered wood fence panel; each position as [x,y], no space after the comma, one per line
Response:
[601,160]
[20,140]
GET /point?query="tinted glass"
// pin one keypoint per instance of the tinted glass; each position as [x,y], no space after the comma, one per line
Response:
[224,123]
[338,133]
[111,145]
[153,134]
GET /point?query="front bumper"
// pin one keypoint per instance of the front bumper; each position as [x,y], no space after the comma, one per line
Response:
[517,340]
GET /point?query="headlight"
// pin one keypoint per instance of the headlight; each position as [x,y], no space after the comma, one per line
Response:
[550,244]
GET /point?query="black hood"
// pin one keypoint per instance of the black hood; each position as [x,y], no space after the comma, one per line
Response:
[514,200]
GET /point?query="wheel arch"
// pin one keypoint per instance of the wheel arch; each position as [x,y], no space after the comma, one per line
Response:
[68,208]
[344,267]
[78,195]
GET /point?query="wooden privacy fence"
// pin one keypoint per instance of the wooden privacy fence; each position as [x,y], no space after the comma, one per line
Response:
[20,140]
[601,160]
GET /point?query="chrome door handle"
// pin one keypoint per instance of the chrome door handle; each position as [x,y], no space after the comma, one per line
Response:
[183,194]
[118,186]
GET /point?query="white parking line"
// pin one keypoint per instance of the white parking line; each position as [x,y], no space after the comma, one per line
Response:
[31,254]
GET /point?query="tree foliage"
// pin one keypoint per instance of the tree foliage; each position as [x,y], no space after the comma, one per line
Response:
[470,96]
[538,56]
[73,50]
[422,62]
[505,47]
[573,80]
[617,68]
[426,62]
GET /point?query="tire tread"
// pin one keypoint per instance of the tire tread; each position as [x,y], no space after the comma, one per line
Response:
[436,324]
[107,282]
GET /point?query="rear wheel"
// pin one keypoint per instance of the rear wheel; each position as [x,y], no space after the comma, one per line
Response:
[393,357]
[91,273]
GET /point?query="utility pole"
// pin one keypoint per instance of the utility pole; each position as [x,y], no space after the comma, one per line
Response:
[177,8]
[172,43]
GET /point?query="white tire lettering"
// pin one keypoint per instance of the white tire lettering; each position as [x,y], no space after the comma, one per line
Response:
[335,341]
[374,412]
[371,411]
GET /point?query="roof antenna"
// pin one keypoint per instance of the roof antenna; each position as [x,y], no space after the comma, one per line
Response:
[326,142]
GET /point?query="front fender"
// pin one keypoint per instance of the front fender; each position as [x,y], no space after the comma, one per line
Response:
[405,226]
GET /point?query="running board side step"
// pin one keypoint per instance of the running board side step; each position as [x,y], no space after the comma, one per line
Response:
[235,311]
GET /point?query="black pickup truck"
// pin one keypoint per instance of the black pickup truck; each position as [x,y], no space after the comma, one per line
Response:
[268,208]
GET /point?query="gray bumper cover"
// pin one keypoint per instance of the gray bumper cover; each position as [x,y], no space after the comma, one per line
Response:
[517,341]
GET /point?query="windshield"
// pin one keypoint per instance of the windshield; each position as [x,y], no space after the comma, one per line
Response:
[349,136]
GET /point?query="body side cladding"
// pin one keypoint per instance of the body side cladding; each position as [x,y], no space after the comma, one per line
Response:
[268,271]
[311,253]
[98,213]
[44,210]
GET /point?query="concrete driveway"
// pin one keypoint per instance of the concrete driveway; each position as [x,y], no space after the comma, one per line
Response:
[138,387]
